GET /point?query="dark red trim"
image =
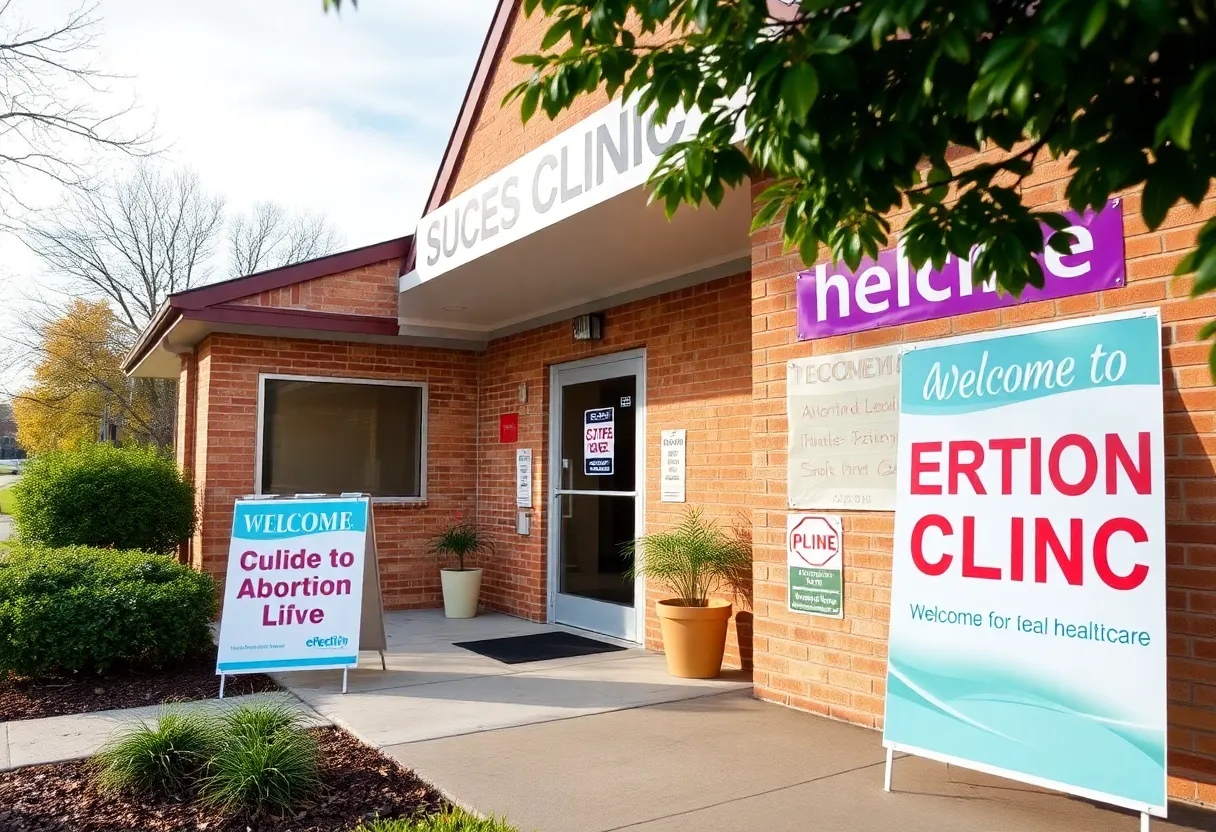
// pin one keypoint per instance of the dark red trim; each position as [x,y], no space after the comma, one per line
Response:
[470,108]
[254,284]
[212,302]
[271,316]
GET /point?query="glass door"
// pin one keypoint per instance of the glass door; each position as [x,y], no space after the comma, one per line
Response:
[597,422]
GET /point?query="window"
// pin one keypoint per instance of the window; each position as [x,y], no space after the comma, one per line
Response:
[341,435]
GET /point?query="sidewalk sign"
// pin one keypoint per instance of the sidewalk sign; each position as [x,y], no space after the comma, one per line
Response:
[1028,622]
[303,586]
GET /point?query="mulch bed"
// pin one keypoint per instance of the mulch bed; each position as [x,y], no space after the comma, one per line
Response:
[359,784]
[21,699]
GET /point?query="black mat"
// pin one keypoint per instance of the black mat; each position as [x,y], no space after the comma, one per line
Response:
[538,648]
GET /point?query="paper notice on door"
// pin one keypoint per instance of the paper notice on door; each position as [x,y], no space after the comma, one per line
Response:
[673,466]
[599,441]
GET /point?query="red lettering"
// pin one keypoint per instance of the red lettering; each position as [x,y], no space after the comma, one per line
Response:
[1140,476]
[970,569]
[1137,533]
[1071,563]
[1017,547]
[1036,465]
[1073,440]
[921,466]
[316,616]
[1007,447]
[918,555]
[250,565]
[967,469]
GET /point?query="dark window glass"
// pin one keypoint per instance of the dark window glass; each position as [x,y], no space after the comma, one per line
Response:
[332,437]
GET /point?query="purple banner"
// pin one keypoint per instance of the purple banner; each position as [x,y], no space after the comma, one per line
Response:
[836,301]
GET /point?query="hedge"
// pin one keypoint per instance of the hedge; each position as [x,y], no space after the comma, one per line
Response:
[107,496]
[82,610]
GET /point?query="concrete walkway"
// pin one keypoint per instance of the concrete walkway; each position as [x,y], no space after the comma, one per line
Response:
[433,689]
[729,762]
[54,739]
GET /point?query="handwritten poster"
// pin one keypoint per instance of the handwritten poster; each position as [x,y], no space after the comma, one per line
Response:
[843,419]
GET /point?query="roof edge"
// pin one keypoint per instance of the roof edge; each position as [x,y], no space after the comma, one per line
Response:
[470,106]
[235,288]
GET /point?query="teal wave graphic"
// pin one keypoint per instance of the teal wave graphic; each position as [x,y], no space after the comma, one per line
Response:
[1027,725]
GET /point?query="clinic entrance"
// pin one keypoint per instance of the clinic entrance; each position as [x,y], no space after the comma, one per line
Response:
[597,416]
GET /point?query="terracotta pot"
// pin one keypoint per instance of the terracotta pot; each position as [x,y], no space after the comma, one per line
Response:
[461,589]
[694,638]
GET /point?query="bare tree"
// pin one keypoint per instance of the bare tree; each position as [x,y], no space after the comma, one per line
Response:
[53,118]
[133,241]
[268,237]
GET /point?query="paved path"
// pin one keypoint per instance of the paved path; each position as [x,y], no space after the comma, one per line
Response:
[54,739]
[730,762]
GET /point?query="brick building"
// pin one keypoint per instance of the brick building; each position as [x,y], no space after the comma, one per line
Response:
[462,335]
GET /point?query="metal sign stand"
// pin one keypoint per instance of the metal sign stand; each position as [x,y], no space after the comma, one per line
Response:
[372,635]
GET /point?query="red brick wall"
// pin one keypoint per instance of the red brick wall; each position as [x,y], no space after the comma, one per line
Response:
[226,437]
[837,668]
[698,367]
[371,290]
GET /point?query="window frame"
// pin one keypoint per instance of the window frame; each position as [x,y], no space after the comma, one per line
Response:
[424,424]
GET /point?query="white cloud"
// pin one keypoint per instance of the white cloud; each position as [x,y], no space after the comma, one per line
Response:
[346,114]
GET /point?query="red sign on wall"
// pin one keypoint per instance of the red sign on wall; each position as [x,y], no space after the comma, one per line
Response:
[508,427]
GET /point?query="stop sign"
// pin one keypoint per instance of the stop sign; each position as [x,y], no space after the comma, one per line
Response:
[814,541]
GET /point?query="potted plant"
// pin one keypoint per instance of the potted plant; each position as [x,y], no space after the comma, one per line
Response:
[461,586]
[693,560]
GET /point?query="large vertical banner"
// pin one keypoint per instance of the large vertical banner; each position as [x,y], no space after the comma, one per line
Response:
[295,582]
[1028,629]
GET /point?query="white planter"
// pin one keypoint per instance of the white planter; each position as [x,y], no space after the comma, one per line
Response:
[460,592]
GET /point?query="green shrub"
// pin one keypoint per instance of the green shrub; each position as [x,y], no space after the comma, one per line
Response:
[455,821]
[105,496]
[162,758]
[92,610]
[267,764]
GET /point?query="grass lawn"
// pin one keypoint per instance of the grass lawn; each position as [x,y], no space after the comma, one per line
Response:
[6,500]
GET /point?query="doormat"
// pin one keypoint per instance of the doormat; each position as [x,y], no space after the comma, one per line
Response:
[540,647]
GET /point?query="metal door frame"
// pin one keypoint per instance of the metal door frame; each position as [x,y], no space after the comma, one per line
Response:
[609,366]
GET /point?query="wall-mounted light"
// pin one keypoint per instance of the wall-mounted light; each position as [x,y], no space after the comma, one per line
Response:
[523,392]
[589,327]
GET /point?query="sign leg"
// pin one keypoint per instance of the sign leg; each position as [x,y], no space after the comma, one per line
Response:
[886,782]
[344,676]
[222,678]
[1145,822]
[383,663]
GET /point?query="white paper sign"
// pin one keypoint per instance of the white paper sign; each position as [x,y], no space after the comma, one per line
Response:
[523,477]
[843,421]
[673,445]
[1028,609]
[294,589]
[599,441]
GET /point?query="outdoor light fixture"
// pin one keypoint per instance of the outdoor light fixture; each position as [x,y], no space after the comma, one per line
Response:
[589,327]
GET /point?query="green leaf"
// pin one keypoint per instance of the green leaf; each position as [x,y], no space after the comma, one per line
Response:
[832,44]
[556,32]
[1094,22]
[799,89]
[527,107]
[956,45]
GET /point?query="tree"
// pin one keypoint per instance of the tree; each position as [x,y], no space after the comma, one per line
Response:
[853,107]
[269,237]
[79,392]
[53,121]
[128,244]
[134,240]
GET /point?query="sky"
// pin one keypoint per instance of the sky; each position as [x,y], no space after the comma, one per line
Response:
[275,100]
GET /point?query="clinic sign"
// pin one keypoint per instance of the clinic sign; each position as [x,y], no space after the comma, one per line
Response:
[1028,626]
[294,588]
[611,151]
[833,300]
[599,441]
